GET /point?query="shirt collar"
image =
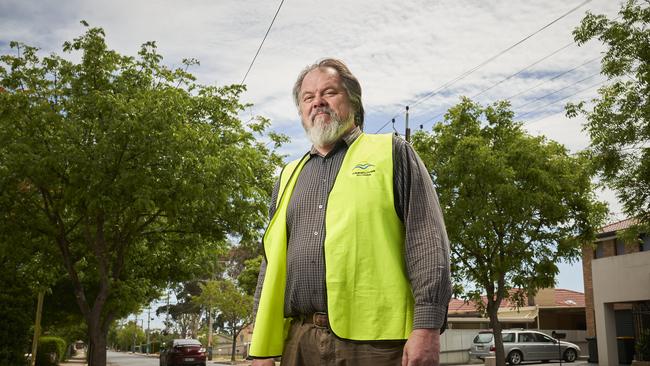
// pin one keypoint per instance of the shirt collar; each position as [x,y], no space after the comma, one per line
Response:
[346,139]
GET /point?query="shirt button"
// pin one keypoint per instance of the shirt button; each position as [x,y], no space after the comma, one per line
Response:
[320,206]
[315,232]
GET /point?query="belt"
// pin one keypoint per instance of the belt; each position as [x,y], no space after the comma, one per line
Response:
[318,319]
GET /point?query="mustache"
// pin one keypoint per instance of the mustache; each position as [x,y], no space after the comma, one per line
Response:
[327,110]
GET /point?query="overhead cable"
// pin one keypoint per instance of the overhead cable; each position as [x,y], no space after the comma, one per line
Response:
[506,78]
[553,78]
[262,43]
[524,69]
[559,100]
[562,111]
[472,70]
[558,90]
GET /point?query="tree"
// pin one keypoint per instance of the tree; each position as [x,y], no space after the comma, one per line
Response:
[185,314]
[129,171]
[129,335]
[60,317]
[16,315]
[514,205]
[208,299]
[235,308]
[235,311]
[619,122]
[247,279]
[25,271]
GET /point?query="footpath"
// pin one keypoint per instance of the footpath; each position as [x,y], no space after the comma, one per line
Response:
[77,360]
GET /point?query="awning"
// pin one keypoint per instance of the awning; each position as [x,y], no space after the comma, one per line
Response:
[525,314]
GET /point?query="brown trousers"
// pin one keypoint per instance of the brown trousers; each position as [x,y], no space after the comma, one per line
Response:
[311,345]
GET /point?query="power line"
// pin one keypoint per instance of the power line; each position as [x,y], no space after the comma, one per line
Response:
[553,78]
[507,78]
[559,100]
[262,43]
[562,111]
[386,124]
[472,70]
[558,90]
[524,69]
[551,93]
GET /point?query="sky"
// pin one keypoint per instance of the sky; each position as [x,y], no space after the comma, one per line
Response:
[416,53]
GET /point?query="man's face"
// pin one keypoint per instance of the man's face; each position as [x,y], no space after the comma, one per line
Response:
[325,108]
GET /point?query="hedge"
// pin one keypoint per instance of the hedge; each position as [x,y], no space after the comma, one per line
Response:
[51,351]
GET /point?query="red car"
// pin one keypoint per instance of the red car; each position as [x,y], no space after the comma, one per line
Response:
[183,352]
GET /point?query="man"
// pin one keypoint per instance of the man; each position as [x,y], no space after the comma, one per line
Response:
[356,268]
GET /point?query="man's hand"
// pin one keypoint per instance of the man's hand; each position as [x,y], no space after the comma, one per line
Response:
[422,348]
[263,362]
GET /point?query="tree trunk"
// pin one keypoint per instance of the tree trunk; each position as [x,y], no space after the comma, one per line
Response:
[496,332]
[195,325]
[97,345]
[234,345]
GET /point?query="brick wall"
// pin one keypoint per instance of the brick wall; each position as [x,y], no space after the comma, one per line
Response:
[587,256]
[609,247]
[588,251]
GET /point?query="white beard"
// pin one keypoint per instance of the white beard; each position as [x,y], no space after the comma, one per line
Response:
[326,134]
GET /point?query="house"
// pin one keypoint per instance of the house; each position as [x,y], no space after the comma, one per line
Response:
[550,308]
[617,291]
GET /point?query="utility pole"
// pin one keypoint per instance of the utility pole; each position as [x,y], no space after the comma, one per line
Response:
[407,132]
[167,316]
[37,326]
[209,333]
[148,319]
[135,331]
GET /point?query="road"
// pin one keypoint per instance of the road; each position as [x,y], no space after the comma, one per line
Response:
[130,359]
[555,363]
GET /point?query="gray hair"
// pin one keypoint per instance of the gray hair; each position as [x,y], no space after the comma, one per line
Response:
[350,84]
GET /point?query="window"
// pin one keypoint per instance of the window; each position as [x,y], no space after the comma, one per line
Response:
[483,338]
[526,338]
[508,337]
[543,338]
[644,246]
[600,250]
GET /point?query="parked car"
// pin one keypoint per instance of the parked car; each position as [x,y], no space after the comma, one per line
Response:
[524,345]
[183,352]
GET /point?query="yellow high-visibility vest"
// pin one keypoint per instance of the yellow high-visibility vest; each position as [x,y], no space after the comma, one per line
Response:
[368,293]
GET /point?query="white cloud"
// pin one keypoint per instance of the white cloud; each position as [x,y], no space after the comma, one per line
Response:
[398,50]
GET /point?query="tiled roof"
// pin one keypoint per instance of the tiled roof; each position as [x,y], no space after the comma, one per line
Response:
[569,298]
[561,297]
[459,305]
[616,226]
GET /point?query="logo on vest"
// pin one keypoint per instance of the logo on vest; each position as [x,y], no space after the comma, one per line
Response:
[363,170]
